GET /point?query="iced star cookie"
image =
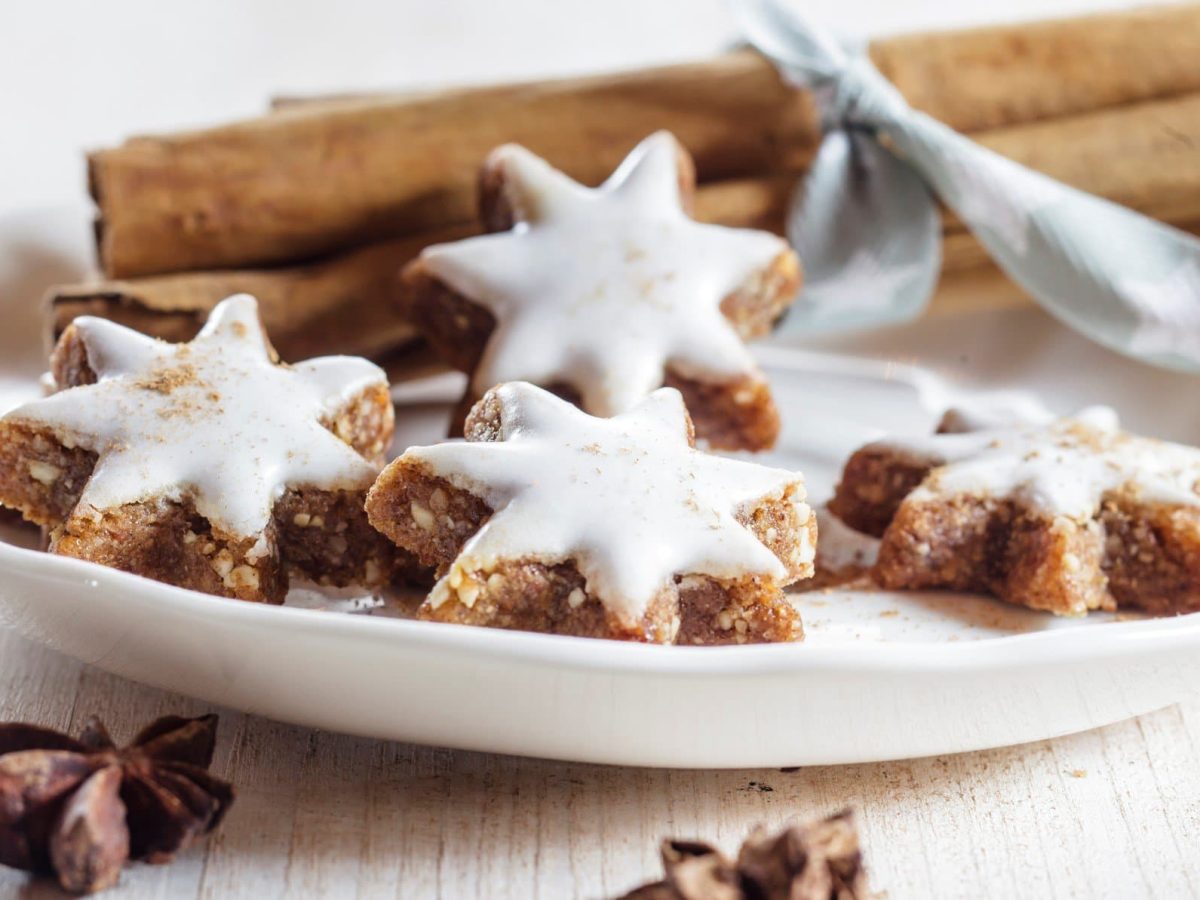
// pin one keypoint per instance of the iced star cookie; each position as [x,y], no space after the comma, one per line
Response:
[604,295]
[548,519]
[1068,515]
[209,465]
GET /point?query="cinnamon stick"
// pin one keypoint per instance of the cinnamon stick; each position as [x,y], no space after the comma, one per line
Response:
[306,181]
[1001,75]
[1141,156]
[303,182]
[343,305]
[977,284]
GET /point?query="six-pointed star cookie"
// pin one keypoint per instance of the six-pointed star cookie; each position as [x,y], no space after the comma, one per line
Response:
[548,519]
[604,295]
[1065,516]
[208,464]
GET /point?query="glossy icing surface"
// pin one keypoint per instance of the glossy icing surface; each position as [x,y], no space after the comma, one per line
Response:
[1063,466]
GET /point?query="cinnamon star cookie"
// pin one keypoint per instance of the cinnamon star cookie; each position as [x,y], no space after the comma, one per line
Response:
[603,295]
[1067,516]
[548,519]
[209,465]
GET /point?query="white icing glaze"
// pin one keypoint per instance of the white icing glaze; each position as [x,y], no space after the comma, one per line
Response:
[215,420]
[626,498]
[1019,411]
[603,288]
[1063,467]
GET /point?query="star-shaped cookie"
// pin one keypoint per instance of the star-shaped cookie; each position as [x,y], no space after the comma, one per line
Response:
[208,464]
[604,295]
[548,519]
[1067,516]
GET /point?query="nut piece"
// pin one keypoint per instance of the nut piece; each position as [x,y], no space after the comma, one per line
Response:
[422,516]
[243,577]
[43,472]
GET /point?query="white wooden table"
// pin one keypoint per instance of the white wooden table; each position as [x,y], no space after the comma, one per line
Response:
[1109,813]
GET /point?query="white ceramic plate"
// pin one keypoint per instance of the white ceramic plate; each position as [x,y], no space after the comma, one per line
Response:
[881,676]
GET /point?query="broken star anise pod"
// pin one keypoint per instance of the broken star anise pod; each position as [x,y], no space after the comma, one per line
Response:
[79,808]
[818,860]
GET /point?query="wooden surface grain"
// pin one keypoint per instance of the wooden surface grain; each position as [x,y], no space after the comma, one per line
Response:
[1108,813]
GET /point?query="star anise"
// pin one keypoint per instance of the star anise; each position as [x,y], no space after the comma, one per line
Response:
[79,808]
[815,861]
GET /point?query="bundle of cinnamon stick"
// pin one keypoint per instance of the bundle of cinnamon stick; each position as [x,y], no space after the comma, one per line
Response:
[316,206]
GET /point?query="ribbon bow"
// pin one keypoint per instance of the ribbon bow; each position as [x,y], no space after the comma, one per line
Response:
[865,222]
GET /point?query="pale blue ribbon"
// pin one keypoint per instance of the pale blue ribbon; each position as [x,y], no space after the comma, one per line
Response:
[865,223]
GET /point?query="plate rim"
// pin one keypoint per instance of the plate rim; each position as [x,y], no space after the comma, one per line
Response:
[1062,646]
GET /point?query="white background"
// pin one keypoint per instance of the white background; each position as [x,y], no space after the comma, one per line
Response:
[76,75]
